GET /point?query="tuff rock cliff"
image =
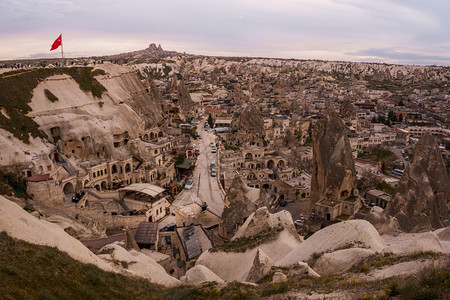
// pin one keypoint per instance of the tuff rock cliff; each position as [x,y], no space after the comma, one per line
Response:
[241,201]
[334,173]
[81,124]
[346,110]
[421,201]
[250,121]
[178,90]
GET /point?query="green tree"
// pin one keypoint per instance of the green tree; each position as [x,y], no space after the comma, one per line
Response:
[167,70]
[210,120]
[180,159]
[392,116]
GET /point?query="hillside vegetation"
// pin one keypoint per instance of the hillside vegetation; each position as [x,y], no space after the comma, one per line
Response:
[30,271]
[16,91]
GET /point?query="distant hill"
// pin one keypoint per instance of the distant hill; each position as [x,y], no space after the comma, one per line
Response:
[152,51]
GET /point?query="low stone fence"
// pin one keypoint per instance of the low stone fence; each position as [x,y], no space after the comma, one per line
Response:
[109,220]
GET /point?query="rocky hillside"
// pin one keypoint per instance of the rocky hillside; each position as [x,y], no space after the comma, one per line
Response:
[290,71]
[376,71]
[348,260]
[420,203]
[151,51]
[51,104]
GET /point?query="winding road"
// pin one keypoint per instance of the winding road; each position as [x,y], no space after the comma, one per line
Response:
[206,188]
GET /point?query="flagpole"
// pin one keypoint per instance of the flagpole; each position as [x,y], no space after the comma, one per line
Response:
[62,53]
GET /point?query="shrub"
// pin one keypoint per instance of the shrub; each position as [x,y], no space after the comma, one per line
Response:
[313,258]
[275,288]
[50,95]
[244,243]
[231,148]
[98,72]
[378,260]
[12,184]
[167,70]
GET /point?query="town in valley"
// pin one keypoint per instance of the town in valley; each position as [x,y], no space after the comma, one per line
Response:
[184,169]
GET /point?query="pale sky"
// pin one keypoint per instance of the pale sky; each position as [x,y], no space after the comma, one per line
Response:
[402,31]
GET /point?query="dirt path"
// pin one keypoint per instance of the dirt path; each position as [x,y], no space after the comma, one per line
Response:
[15,74]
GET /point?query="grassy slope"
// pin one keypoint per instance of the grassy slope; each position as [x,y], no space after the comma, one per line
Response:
[16,91]
[30,271]
[39,272]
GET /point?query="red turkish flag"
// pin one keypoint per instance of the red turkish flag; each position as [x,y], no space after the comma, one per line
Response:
[57,43]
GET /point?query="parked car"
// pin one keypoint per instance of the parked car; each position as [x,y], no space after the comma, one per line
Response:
[197,152]
[298,223]
[212,144]
[212,166]
[283,203]
[213,150]
[77,197]
[213,173]
[189,184]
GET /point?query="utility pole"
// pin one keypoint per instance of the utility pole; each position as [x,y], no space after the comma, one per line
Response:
[198,189]
[250,90]
[62,53]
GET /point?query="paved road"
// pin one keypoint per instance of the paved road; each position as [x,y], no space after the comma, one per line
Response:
[206,188]
[398,153]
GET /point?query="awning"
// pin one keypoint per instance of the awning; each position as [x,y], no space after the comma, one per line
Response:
[146,233]
[187,163]
[144,188]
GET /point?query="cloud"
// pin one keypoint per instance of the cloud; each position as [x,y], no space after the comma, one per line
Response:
[400,56]
[326,28]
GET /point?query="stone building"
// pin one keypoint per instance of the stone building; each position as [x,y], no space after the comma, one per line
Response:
[109,174]
[145,196]
[44,188]
[378,198]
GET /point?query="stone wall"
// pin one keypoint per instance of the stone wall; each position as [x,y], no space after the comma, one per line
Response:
[109,220]
[48,192]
